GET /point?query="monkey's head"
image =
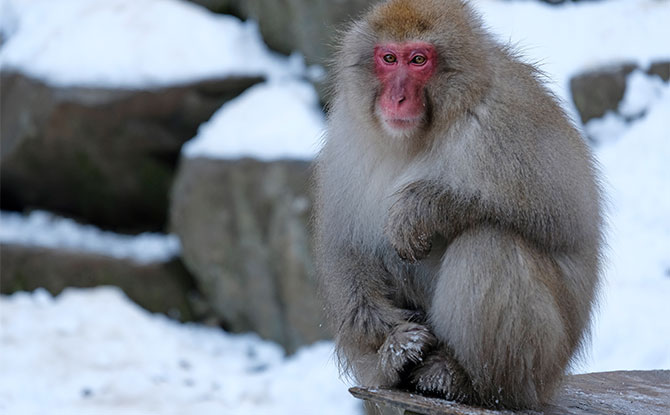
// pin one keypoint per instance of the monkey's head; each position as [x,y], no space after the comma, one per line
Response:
[412,65]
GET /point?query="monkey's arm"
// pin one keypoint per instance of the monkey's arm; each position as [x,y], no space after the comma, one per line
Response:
[375,338]
[424,208]
[357,293]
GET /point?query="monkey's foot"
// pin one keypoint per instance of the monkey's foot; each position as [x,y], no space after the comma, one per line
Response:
[441,375]
[405,345]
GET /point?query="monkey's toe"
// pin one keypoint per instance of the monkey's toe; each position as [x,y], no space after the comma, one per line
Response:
[404,346]
[440,375]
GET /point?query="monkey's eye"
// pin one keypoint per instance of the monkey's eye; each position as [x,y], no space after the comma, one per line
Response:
[389,58]
[419,60]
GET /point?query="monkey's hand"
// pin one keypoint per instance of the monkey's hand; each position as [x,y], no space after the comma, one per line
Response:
[404,346]
[407,227]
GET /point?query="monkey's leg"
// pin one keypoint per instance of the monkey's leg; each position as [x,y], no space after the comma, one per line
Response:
[376,339]
[496,306]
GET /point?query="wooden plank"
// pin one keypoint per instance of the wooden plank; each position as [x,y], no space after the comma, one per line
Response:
[614,393]
[608,393]
[418,404]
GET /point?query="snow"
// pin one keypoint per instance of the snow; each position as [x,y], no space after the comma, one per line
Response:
[46,230]
[633,328]
[606,129]
[131,43]
[641,93]
[92,351]
[268,121]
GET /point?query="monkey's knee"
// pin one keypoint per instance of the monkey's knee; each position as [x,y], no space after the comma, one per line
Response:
[496,306]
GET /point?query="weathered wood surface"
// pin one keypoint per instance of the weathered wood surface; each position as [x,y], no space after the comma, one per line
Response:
[608,393]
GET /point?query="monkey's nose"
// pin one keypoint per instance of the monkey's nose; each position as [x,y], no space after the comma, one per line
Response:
[399,100]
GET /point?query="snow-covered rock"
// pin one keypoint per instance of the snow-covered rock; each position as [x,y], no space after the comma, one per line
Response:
[622,88]
[43,250]
[598,91]
[307,26]
[131,44]
[241,208]
[161,287]
[99,96]
[45,230]
[103,155]
[617,99]
[270,121]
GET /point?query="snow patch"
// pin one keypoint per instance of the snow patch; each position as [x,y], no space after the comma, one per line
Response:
[642,90]
[46,230]
[606,129]
[275,120]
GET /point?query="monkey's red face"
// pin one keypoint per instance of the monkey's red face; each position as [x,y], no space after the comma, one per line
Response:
[403,70]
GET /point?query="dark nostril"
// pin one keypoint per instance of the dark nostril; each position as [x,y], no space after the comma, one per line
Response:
[401,99]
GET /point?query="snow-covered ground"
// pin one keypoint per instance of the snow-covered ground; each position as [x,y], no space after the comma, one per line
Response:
[94,352]
[632,330]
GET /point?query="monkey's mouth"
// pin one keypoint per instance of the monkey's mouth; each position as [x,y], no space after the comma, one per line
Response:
[402,123]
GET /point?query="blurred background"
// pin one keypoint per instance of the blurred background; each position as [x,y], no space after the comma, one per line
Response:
[154,193]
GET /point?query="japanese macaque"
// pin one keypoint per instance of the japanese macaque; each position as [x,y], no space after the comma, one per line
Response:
[458,223]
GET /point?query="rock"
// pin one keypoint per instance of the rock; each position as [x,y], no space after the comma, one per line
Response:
[159,287]
[308,26]
[243,226]
[105,156]
[661,68]
[598,91]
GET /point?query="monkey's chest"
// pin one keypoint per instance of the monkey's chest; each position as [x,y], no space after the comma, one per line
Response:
[369,206]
